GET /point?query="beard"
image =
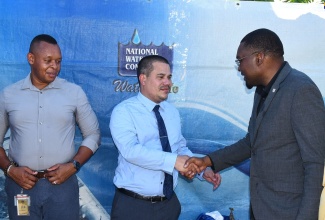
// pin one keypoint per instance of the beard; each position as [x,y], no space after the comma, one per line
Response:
[248,86]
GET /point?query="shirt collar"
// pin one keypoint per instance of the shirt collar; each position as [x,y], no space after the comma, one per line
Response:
[264,91]
[27,84]
[148,103]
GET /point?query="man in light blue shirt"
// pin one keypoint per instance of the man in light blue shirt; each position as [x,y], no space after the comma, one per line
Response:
[142,164]
[42,111]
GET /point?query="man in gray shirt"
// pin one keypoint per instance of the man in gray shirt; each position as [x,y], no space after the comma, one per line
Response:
[42,111]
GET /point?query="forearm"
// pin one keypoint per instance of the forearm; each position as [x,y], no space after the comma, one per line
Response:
[4,160]
[230,155]
[83,154]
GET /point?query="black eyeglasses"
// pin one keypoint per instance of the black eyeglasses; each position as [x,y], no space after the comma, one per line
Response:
[237,61]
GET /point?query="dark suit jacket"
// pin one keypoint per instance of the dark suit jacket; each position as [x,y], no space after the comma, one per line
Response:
[286,144]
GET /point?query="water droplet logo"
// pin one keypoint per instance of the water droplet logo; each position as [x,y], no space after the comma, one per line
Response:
[131,53]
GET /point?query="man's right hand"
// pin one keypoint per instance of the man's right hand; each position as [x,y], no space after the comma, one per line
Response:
[180,161]
[200,162]
[23,176]
[188,171]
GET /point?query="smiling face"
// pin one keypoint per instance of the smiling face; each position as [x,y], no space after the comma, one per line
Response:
[248,66]
[45,62]
[156,85]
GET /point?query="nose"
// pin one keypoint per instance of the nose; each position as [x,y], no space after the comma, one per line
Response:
[55,64]
[167,81]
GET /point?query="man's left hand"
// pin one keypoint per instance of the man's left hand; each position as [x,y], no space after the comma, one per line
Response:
[59,173]
[212,177]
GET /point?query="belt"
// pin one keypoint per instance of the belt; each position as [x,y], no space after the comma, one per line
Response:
[41,174]
[152,199]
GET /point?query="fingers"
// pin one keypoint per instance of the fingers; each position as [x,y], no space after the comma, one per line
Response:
[23,176]
[188,162]
[60,173]
[52,168]
[189,167]
[198,162]
[180,161]
[29,171]
[26,178]
[213,178]
[192,170]
[218,182]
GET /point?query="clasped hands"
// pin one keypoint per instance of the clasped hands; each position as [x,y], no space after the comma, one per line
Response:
[26,177]
[190,166]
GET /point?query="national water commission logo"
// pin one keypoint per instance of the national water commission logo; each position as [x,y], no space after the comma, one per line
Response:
[130,54]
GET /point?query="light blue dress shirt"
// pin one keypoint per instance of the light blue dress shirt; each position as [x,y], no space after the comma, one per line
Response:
[141,160]
[42,122]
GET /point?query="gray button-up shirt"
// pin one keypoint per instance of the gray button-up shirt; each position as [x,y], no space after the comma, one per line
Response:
[42,122]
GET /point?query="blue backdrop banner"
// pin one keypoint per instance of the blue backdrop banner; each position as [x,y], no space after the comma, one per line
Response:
[101,43]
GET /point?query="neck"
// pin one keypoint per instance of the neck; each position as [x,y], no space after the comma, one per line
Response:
[271,70]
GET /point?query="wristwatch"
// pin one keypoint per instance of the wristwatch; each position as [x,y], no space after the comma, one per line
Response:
[76,165]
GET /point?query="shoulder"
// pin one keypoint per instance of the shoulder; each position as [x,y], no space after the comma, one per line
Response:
[66,84]
[128,103]
[13,87]
[296,80]
[169,108]
[299,77]
[300,88]
[69,88]
[125,110]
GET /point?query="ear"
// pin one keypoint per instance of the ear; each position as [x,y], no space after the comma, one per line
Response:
[260,58]
[30,58]
[142,79]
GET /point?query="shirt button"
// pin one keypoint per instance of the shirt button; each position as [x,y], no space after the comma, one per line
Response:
[39,140]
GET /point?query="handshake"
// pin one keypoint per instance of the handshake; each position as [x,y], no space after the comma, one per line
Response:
[190,166]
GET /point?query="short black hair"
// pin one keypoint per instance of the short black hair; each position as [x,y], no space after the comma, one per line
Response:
[42,37]
[145,65]
[264,40]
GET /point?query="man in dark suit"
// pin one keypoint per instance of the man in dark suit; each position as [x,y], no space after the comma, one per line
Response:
[286,134]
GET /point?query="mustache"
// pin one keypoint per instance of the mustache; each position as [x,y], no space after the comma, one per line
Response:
[165,87]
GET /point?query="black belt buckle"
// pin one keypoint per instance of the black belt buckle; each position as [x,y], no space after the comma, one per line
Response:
[157,199]
[152,200]
[41,174]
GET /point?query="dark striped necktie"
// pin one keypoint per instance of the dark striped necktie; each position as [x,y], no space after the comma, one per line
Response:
[168,183]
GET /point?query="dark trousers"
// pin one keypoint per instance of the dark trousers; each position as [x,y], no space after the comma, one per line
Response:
[48,201]
[128,208]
